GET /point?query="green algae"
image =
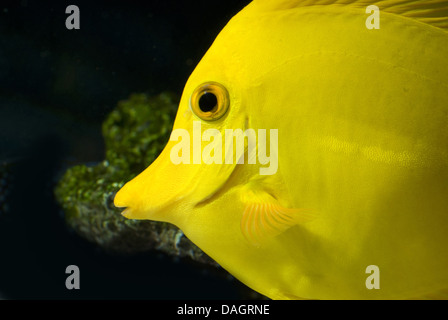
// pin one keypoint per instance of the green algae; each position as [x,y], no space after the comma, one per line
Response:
[137,130]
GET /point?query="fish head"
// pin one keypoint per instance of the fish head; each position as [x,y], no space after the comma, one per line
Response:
[188,175]
[200,182]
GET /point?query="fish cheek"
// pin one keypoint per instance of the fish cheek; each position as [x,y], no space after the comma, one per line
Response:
[214,225]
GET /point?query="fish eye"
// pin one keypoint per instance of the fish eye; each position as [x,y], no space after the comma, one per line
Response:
[210,101]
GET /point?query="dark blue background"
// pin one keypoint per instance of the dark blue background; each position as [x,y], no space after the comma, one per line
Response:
[56,87]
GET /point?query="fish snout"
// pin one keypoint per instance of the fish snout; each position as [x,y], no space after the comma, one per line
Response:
[142,203]
[156,192]
[125,198]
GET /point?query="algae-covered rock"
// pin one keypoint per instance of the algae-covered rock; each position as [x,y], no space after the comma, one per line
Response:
[134,133]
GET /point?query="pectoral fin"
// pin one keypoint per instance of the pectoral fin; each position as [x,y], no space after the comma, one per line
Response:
[264,217]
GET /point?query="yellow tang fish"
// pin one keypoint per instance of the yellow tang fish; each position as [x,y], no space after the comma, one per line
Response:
[309,155]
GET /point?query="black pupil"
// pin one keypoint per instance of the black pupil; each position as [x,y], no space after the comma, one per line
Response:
[207,102]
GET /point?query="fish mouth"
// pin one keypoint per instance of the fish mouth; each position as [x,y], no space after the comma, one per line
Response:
[138,212]
[122,202]
[126,211]
[131,209]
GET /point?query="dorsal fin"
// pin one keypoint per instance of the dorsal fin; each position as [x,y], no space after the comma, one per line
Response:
[432,12]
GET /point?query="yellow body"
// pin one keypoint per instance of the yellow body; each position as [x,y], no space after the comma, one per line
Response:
[362,119]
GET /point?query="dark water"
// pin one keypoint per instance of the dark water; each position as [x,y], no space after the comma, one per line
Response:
[56,87]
